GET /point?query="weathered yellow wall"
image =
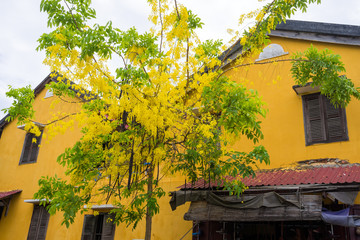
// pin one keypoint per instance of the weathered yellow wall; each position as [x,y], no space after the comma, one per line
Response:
[25,177]
[167,225]
[283,126]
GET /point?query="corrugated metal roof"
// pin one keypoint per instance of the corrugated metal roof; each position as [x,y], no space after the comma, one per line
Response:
[349,173]
[8,193]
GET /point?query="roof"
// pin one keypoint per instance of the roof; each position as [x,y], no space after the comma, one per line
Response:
[336,174]
[8,193]
[305,30]
[320,27]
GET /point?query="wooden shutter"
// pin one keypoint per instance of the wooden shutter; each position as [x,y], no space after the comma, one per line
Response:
[98,227]
[39,223]
[30,149]
[35,148]
[314,119]
[335,121]
[88,227]
[108,228]
[27,148]
[323,122]
[43,223]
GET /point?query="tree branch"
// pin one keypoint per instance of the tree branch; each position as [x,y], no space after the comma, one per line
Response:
[60,119]
[260,63]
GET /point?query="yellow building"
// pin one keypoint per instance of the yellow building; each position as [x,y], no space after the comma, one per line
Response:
[313,149]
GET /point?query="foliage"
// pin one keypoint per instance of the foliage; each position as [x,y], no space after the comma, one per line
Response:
[22,105]
[323,69]
[167,108]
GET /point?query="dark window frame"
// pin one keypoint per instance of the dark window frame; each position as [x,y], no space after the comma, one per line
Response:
[30,149]
[39,223]
[327,115]
[98,227]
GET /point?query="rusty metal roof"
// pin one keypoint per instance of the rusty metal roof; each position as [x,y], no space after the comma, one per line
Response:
[8,193]
[349,173]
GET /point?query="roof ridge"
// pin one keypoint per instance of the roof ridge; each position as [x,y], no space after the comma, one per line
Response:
[306,167]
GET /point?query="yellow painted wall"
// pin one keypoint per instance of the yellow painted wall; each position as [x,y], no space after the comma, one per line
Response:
[283,126]
[167,225]
[25,177]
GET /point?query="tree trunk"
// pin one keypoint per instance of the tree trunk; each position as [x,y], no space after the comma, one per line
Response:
[148,215]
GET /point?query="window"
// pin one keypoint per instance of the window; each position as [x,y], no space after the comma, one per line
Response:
[49,93]
[31,149]
[98,227]
[39,223]
[323,122]
[271,51]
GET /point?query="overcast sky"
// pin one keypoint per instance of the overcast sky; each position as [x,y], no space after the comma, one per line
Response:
[21,24]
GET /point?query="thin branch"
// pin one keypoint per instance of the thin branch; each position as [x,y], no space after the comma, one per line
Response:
[131,163]
[256,28]
[119,54]
[187,65]
[177,10]
[72,15]
[60,119]
[112,190]
[62,99]
[162,27]
[260,63]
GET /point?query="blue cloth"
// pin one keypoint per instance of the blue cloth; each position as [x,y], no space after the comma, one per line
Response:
[341,218]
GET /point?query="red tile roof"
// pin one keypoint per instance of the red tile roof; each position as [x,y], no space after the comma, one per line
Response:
[9,193]
[349,173]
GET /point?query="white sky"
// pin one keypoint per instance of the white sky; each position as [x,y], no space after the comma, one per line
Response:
[21,24]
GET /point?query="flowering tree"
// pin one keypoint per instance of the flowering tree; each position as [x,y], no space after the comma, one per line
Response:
[168,107]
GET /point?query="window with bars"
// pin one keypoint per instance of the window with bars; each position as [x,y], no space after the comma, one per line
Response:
[323,122]
[30,149]
[98,227]
[39,223]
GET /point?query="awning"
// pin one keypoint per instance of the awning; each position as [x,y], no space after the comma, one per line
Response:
[253,208]
[35,201]
[5,198]
[4,195]
[345,197]
[269,200]
[100,207]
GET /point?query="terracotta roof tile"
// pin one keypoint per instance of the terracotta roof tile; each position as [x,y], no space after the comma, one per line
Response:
[8,193]
[349,173]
